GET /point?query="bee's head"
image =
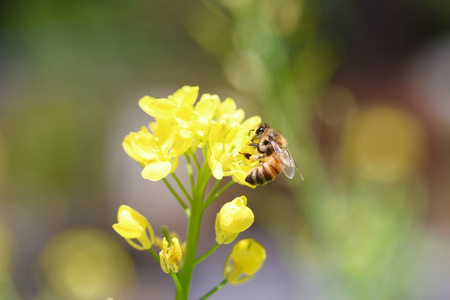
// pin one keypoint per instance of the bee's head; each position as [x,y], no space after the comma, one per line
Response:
[260,130]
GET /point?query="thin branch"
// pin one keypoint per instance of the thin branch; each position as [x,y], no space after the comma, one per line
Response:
[174,193]
[154,254]
[177,282]
[194,158]
[212,197]
[206,254]
[214,190]
[181,186]
[218,287]
[190,172]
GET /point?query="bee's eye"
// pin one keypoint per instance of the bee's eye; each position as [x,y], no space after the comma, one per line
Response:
[260,130]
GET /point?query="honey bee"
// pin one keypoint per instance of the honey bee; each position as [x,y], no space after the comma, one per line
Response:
[273,156]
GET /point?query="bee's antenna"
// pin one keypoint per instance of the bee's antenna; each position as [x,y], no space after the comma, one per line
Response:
[250,131]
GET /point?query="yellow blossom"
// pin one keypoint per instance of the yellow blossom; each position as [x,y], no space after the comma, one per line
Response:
[233,218]
[246,258]
[170,256]
[194,122]
[134,228]
[163,108]
[226,143]
[227,111]
[157,153]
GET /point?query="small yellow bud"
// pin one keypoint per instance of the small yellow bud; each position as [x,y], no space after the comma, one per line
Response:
[170,256]
[233,218]
[246,258]
[134,228]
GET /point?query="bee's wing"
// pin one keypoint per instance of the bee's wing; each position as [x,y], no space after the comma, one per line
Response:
[293,164]
[286,158]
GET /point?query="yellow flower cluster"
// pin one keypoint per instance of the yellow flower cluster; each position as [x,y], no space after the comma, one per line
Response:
[182,125]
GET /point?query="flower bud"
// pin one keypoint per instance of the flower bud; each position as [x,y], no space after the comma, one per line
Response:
[134,228]
[233,218]
[246,258]
[170,256]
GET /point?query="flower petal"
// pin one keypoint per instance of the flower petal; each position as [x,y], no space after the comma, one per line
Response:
[186,95]
[205,109]
[157,170]
[161,108]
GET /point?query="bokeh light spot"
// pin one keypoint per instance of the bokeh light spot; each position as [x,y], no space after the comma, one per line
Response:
[384,143]
[86,264]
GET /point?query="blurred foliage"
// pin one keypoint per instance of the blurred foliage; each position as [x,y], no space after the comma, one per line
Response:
[356,226]
[7,287]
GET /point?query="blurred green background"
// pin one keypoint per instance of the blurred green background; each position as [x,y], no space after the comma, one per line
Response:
[361,90]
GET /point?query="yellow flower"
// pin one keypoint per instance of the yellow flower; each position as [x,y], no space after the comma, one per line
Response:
[157,153]
[194,122]
[134,228]
[227,111]
[170,256]
[246,258]
[226,143]
[163,108]
[233,218]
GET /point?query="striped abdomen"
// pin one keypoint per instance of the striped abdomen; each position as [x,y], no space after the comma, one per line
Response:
[265,171]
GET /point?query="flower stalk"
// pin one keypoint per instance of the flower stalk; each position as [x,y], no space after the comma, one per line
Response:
[193,231]
[218,287]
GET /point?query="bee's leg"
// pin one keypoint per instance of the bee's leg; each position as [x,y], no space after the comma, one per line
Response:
[257,157]
[247,155]
[253,157]
[255,145]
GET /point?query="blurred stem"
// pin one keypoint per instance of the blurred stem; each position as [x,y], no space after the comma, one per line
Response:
[154,254]
[218,287]
[175,194]
[190,172]
[194,158]
[194,222]
[213,191]
[179,287]
[206,254]
[165,232]
[213,196]
[181,186]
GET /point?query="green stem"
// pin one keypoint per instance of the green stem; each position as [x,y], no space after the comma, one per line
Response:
[218,287]
[206,254]
[190,172]
[179,287]
[165,232]
[194,221]
[154,254]
[214,189]
[213,197]
[181,186]
[175,194]
[194,158]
